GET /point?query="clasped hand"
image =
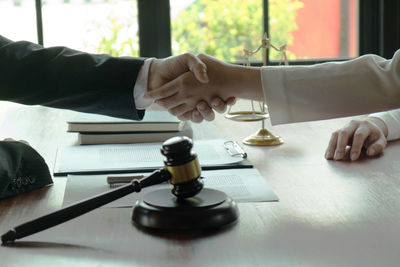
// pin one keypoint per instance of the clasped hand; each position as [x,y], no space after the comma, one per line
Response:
[167,76]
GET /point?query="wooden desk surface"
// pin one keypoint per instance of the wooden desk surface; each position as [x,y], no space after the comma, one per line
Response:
[329,213]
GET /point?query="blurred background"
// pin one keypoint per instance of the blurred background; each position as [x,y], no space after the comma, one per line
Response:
[313,30]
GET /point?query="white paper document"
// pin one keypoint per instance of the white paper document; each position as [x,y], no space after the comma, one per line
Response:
[242,185]
[134,156]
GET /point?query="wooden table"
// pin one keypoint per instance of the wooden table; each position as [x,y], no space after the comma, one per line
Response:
[329,213]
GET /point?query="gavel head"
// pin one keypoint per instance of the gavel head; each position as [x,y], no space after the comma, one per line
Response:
[183,165]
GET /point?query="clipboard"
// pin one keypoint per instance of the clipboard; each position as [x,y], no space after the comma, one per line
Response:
[213,154]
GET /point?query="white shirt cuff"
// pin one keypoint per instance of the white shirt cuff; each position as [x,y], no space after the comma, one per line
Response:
[274,95]
[141,86]
[392,120]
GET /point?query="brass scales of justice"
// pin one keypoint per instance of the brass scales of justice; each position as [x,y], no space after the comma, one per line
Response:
[262,137]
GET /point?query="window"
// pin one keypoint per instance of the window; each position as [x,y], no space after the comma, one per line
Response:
[18,20]
[314,31]
[219,28]
[311,29]
[96,26]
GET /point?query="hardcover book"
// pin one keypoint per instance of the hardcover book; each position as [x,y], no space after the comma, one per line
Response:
[153,121]
[91,138]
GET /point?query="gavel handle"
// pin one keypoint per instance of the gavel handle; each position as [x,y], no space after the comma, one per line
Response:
[82,207]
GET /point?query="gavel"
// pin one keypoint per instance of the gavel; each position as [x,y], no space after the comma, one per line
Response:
[181,168]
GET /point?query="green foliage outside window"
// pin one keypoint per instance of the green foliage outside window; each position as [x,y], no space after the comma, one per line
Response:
[110,45]
[119,32]
[219,28]
[224,28]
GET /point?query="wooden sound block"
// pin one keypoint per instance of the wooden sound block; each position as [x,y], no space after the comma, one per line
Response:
[161,210]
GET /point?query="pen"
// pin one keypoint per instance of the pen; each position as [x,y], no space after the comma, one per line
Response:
[123,179]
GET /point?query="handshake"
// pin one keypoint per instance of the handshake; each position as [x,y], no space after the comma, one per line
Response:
[192,87]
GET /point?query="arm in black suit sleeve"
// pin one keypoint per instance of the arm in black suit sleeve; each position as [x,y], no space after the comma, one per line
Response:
[64,78]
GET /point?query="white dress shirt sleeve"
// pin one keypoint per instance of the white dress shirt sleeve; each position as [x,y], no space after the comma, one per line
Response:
[363,85]
[141,86]
[392,120]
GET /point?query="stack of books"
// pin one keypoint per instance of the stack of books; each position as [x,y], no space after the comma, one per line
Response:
[156,126]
